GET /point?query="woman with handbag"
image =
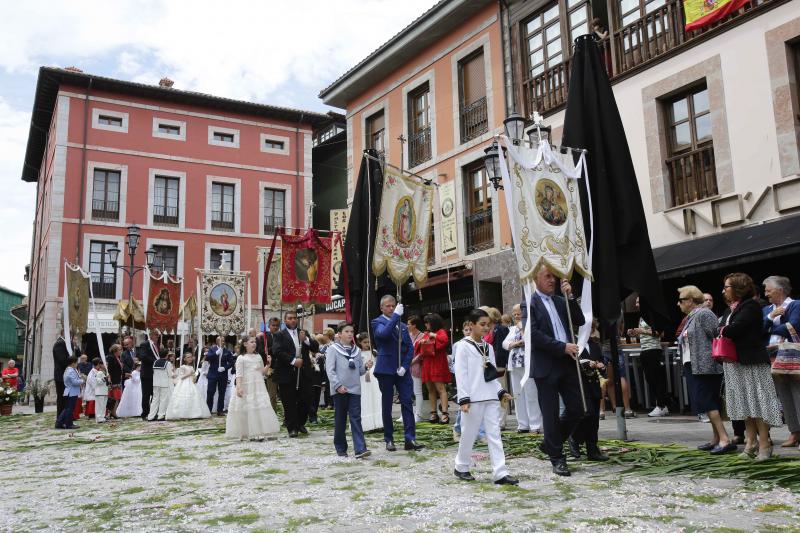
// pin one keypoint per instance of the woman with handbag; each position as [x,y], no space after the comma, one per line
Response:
[435,369]
[749,390]
[703,374]
[782,322]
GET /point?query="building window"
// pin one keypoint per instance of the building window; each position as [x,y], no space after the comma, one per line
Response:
[473,116]
[166,259]
[165,128]
[222,205]
[219,136]
[542,35]
[274,209]
[105,194]
[169,130]
[106,120]
[218,256]
[632,10]
[419,126]
[478,223]
[375,131]
[273,144]
[166,200]
[692,172]
[104,277]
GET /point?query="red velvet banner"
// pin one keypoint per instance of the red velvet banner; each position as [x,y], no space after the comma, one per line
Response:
[163,305]
[306,269]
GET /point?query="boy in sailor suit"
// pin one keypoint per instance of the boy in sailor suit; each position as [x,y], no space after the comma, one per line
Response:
[100,391]
[479,400]
[162,376]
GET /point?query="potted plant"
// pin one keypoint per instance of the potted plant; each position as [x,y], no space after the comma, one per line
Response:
[8,396]
[38,389]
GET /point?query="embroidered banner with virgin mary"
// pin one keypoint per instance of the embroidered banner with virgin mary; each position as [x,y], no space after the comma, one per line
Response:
[404,227]
[223,307]
[305,269]
[163,303]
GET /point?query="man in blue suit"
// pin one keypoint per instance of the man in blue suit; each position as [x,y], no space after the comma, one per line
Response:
[220,360]
[392,369]
[553,363]
[781,309]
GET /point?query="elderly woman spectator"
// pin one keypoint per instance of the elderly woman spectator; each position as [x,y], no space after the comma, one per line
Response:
[781,316]
[749,390]
[703,374]
[526,399]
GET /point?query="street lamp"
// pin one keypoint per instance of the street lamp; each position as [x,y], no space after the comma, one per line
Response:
[132,241]
[491,162]
[538,134]
[514,125]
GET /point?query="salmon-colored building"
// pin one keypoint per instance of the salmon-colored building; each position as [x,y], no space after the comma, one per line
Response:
[205,178]
[439,84]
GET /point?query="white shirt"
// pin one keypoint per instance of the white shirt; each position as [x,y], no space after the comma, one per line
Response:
[775,339]
[469,373]
[555,320]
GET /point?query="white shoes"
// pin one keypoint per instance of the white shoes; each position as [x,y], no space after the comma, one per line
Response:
[658,412]
[702,417]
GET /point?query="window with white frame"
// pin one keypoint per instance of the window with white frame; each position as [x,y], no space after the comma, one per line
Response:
[218,256]
[166,259]
[166,200]
[106,119]
[219,136]
[274,209]
[169,129]
[105,194]
[103,275]
[274,144]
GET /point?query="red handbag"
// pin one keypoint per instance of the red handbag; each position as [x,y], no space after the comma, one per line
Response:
[723,350]
[427,348]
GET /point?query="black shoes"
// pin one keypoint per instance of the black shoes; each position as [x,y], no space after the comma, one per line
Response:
[593,453]
[303,430]
[707,447]
[341,454]
[574,448]
[507,480]
[523,431]
[362,455]
[293,434]
[390,447]
[465,476]
[719,450]
[560,468]
[412,445]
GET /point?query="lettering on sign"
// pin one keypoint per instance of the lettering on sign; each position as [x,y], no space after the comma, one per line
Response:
[339,219]
[447,210]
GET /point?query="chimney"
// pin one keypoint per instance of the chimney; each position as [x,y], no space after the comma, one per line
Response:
[73,69]
[166,83]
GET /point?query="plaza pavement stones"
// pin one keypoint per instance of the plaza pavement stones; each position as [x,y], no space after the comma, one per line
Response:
[185,476]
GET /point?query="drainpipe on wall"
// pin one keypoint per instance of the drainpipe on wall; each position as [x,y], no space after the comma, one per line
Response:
[298,201]
[505,31]
[85,174]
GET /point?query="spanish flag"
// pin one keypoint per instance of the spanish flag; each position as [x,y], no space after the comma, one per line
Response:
[701,13]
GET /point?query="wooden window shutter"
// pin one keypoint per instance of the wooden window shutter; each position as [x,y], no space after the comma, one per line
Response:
[473,80]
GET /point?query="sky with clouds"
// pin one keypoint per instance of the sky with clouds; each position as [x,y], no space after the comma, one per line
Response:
[281,53]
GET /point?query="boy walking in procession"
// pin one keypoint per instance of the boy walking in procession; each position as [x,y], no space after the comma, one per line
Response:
[479,397]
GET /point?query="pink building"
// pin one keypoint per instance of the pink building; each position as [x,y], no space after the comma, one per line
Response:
[204,177]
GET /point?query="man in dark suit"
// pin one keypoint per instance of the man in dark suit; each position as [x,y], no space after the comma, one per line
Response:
[220,360]
[264,342]
[60,363]
[128,352]
[291,350]
[553,363]
[147,352]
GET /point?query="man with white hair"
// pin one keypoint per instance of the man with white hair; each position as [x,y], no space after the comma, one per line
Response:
[782,322]
[392,369]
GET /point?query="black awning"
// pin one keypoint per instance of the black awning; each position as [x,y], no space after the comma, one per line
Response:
[771,239]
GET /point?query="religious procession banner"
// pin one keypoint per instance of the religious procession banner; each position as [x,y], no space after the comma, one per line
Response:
[163,303]
[404,226]
[305,269]
[271,293]
[76,301]
[339,225]
[130,313]
[447,205]
[702,13]
[223,309]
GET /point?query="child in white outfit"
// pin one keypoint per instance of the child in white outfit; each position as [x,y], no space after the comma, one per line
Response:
[100,392]
[479,400]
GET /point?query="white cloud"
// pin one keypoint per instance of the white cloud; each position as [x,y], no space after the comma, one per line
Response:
[275,52]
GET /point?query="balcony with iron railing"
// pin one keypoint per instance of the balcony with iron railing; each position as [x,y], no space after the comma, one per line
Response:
[480,232]
[105,210]
[104,285]
[474,120]
[692,175]
[419,147]
[636,46]
[272,222]
[222,220]
[165,215]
